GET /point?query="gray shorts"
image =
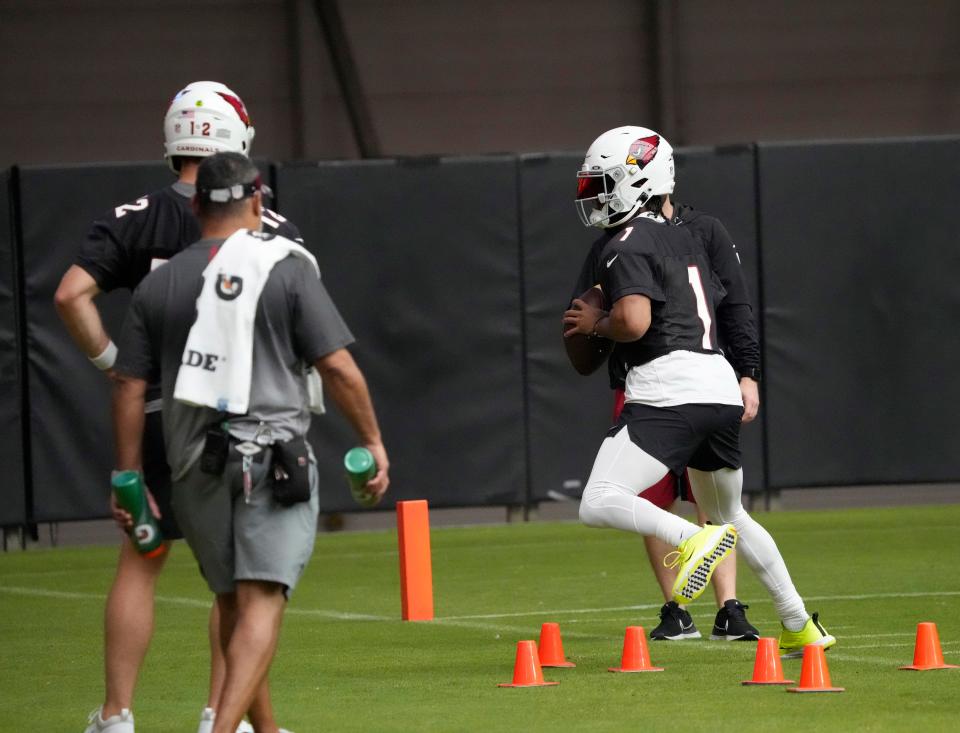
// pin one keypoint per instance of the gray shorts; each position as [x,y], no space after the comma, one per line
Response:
[245,538]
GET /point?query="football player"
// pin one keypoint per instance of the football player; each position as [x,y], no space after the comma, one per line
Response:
[683,402]
[121,248]
[737,328]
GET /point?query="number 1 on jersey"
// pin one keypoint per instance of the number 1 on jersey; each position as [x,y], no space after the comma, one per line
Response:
[693,275]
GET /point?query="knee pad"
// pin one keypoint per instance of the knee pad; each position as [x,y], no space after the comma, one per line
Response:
[589,501]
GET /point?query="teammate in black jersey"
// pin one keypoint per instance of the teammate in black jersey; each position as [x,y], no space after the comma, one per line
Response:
[736,327]
[121,248]
[683,400]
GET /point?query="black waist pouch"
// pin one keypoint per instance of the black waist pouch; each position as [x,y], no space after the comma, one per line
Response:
[291,472]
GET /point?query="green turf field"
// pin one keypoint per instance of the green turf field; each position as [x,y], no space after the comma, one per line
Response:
[347,663]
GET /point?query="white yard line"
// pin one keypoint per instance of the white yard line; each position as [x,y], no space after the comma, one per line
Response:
[76,596]
[189,602]
[44,593]
[472,620]
[885,646]
[648,606]
[877,596]
[839,654]
[833,655]
[337,615]
[868,636]
[554,612]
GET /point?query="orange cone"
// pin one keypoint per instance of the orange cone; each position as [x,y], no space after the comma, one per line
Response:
[926,652]
[814,675]
[766,667]
[551,647]
[526,670]
[636,656]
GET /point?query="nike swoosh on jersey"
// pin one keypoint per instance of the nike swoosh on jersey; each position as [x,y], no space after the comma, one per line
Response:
[610,261]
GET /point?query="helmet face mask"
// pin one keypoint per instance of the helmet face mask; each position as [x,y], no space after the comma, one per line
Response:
[621,171]
[597,203]
[204,118]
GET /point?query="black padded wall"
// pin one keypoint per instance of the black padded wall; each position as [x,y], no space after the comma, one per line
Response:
[13,488]
[860,263]
[569,414]
[70,432]
[453,274]
[421,258]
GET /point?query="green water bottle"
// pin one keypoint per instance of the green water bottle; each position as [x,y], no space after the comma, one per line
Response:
[361,467]
[132,496]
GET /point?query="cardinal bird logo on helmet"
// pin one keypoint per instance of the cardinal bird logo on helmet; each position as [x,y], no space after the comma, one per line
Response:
[238,105]
[643,150]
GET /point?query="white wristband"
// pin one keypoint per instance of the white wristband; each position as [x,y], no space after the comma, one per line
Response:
[106,358]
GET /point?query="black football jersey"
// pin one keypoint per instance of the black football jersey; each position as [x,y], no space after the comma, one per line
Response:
[736,326]
[670,266]
[125,244]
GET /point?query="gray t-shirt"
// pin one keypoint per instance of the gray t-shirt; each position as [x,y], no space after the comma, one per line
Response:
[296,323]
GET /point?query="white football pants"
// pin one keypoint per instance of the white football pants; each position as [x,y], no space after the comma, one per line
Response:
[622,470]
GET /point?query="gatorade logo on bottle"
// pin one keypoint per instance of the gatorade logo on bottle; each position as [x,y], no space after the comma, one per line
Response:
[145,533]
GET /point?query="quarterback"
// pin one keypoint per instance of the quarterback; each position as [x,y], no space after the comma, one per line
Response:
[683,401]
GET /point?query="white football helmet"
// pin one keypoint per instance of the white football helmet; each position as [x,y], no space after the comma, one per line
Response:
[204,118]
[622,170]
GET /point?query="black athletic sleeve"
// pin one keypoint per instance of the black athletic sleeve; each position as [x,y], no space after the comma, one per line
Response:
[103,255]
[725,262]
[736,325]
[737,330]
[630,271]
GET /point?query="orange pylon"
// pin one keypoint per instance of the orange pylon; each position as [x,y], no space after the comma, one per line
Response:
[526,668]
[636,656]
[814,675]
[416,573]
[766,667]
[551,647]
[927,654]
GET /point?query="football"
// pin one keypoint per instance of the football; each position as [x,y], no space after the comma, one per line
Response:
[587,353]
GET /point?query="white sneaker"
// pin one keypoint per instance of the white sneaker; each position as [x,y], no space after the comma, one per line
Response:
[245,727]
[206,721]
[122,723]
[209,715]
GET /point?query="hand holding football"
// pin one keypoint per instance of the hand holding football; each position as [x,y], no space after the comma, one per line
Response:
[585,352]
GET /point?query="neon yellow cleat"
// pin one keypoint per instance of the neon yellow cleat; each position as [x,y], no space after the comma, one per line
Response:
[793,642]
[698,557]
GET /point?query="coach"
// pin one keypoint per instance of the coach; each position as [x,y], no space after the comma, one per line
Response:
[230,325]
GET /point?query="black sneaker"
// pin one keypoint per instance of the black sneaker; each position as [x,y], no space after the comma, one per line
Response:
[732,625]
[675,624]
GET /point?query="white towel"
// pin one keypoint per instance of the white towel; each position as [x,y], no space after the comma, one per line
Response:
[217,362]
